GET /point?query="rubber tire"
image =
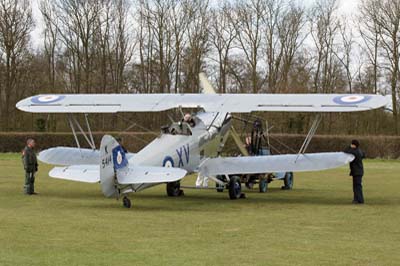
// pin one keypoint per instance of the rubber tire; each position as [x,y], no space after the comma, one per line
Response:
[288,181]
[126,202]
[235,188]
[263,185]
[174,189]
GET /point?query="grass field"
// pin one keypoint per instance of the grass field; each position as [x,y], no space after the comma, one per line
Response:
[314,224]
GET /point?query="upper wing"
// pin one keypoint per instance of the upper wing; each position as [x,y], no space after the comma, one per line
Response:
[236,103]
[72,156]
[274,163]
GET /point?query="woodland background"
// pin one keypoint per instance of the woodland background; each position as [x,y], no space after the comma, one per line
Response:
[160,46]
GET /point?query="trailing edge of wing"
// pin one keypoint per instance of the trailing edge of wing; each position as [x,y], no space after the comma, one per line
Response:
[133,175]
[148,174]
[235,103]
[274,163]
[80,173]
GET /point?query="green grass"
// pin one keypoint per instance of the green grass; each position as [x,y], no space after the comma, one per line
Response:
[314,224]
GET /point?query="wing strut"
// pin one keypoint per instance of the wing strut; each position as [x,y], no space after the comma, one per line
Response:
[310,135]
[89,139]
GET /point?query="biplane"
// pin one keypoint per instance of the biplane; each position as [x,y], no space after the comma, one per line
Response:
[191,145]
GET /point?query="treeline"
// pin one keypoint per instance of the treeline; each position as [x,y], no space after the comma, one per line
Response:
[160,46]
[374,146]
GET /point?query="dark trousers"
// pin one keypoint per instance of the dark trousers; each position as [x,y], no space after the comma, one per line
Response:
[357,189]
[29,187]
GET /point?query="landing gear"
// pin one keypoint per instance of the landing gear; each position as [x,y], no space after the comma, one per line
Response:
[263,184]
[174,189]
[235,188]
[288,181]
[220,188]
[126,202]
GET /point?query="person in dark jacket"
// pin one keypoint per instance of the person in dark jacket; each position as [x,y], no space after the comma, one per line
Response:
[356,170]
[30,165]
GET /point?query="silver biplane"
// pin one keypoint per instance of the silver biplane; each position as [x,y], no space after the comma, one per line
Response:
[192,145]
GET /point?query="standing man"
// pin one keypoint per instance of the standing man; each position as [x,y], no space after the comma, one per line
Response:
[30,166]
[356,170]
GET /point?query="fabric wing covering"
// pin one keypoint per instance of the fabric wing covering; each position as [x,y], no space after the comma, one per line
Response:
[274,163]
[235,103]
[130,175]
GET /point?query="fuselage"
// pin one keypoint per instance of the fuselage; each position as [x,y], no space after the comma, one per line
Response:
[186,151]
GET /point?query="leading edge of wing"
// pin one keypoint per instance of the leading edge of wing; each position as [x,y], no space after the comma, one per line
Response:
[235,103]
[274,163]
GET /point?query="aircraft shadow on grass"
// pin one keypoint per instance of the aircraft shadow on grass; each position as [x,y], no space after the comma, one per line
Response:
[194,201]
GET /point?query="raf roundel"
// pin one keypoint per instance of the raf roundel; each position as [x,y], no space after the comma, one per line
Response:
[119,158]
[351,99]
[168,162]
[47,99]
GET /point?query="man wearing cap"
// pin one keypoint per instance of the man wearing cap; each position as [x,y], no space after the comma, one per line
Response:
[31,167]
[356,170]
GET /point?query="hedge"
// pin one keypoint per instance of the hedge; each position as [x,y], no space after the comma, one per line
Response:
[387,147]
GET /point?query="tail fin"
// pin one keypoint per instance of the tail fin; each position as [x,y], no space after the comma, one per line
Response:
[205,84]
[112,158]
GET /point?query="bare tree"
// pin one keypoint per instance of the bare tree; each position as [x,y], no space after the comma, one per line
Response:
[247,20]
[370,33]
[15,26]
[179,23]
[222,36]
[77,27]
[122,48]
[197,42]
[324,28]
[388,19]
[50,39]
[344,55]
[283,34]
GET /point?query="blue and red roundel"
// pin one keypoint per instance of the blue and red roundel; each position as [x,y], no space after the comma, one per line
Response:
[351,99]
[168,162]
[47,99]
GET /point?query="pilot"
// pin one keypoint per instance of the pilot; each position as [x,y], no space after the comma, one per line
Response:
[189,119]
[356,170]
[30,165]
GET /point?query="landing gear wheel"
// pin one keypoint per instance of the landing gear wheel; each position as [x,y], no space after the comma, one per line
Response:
[126,202]
[174,189]
[288,181]
[220,188]
[263,185]
[235,188]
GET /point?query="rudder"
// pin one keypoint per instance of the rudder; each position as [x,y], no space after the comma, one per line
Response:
[112,158]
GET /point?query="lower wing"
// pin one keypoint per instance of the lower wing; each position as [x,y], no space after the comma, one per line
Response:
[129,175]
[72,156]
[80,173]
[274,163]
